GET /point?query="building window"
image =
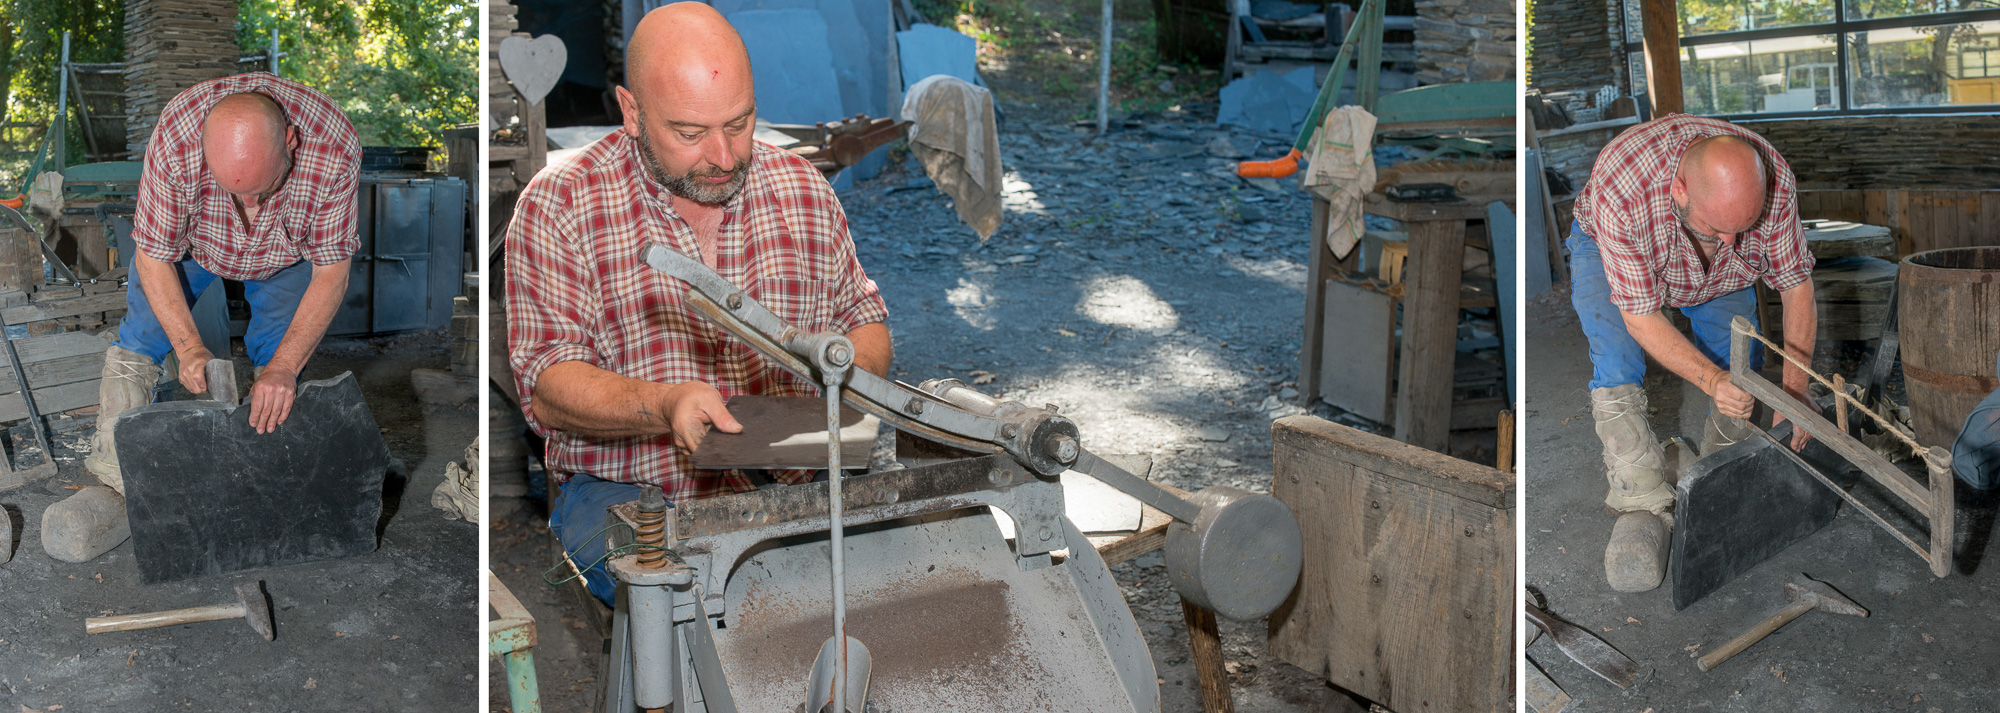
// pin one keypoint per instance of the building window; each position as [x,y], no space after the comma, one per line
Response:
[1828,57]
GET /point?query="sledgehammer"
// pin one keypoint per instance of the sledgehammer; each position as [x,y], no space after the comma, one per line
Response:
[250,604]
[1805,596]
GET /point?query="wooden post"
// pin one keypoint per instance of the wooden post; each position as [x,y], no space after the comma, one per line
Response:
[1663,55]
[1504,460]
[1430,333]
[1558,267]
[1839,405]
[1943,509]
[1205,643]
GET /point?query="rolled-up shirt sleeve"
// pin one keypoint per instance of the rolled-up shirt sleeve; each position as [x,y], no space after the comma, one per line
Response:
[855,299]
[1791,261]
[550,295]
[335,235]
[160,218]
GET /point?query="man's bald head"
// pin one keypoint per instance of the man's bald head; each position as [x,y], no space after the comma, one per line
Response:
[248,145]
[1721,186]
[690,101]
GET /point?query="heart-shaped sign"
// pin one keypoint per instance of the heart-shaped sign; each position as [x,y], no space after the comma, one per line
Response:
[533,65]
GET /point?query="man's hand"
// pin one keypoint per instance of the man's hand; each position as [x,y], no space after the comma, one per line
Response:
[271,398]
[194,367]
[1731,401]
[693,406]
[1799,436]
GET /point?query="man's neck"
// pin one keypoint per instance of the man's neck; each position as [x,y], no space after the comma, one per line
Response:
[705,220]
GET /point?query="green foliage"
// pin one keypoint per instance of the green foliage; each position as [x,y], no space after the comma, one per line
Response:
[403,70]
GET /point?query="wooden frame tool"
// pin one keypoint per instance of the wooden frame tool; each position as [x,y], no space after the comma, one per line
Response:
[1934,504]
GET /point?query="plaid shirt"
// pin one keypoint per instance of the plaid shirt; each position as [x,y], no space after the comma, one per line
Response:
[183,211]
[1650,261]
[577,291]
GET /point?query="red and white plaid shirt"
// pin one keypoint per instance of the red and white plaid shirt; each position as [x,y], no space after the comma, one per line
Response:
[183,211]
[1650,261]
[577,291]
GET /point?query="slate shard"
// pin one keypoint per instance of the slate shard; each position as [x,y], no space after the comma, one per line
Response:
[207,495]
[1741,506]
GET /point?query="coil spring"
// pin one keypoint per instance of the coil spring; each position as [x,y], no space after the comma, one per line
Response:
[652,532]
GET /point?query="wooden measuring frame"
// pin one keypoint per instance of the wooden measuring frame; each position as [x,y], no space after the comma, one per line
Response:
[1934,504]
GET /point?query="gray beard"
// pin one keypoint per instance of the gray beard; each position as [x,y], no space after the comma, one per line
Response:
[690,186]
[1681,214]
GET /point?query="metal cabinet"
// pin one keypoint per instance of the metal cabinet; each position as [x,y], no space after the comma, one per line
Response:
[408,266]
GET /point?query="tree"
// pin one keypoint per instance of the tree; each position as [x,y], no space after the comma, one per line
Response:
[403,70]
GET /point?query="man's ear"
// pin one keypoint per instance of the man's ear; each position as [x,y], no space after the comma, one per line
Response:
[628,107]
[291,139]
[1679,190]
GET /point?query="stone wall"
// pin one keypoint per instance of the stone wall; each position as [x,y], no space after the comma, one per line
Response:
[1465,41]
[171,45]
[1942,152]
[1573,45]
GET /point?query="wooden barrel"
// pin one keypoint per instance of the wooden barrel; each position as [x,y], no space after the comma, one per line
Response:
[1948,317]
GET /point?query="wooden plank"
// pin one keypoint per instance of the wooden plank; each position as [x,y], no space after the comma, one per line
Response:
[1205,648]
[50,373]
[1429,469]
[1407,592]
[1989,212]
[1430,333]
[36,312]
[1661,28]
[50,400]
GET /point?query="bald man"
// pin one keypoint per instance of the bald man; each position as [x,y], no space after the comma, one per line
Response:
[248,178]
[620,376]
[1682,212]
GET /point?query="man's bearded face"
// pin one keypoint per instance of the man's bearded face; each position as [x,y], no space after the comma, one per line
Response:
[693,185]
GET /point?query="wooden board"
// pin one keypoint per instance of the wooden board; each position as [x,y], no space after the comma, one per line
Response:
[1430,333]
[1407,593]
[50,400]
[38,311]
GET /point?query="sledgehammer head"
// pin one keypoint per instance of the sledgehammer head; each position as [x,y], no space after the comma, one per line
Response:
[256,607]
[1822,596]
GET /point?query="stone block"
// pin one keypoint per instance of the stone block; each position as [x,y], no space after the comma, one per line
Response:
[82,526]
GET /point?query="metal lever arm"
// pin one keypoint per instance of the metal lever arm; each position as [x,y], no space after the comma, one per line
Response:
[1145,490]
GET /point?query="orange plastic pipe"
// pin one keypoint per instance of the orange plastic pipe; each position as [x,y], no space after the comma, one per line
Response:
[1275,168]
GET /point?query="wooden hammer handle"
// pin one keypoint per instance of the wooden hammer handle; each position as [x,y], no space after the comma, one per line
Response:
[131,622]
[1755,634]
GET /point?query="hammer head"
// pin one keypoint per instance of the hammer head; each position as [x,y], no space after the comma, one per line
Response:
[256,607]
[1824,598]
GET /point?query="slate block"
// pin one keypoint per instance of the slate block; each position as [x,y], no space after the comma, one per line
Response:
[925,50]
[1741,506]
[82,526]
[1268,101]
[6,536]
[207,495]
[792,63]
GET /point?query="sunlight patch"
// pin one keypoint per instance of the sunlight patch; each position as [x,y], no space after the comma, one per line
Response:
[1124,301]
[970,300]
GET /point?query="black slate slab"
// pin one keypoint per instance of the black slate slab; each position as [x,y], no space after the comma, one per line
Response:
[1741,506]
[207,495]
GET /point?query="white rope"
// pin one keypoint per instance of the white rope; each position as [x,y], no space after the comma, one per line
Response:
[1915,448]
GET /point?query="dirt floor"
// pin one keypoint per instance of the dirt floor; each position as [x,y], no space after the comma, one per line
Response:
[1137,284]
[392,630]
[1926,645]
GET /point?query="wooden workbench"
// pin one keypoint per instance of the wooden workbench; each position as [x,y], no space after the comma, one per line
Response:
[1431,300]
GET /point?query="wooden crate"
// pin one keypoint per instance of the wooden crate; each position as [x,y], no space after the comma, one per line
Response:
[1407,594]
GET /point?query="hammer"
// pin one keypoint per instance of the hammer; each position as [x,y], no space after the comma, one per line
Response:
[1804,596]
[251,604]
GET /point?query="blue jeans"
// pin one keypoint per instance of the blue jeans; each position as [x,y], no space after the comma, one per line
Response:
[273,301]
[578,517]
[1615,357]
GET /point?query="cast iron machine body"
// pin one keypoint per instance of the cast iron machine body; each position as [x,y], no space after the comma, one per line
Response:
[946,613]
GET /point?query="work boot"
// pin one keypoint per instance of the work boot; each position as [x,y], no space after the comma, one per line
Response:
[1635,559]
[1721,431]
[129,380]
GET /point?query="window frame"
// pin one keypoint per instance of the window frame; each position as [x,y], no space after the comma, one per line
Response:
[1841,28]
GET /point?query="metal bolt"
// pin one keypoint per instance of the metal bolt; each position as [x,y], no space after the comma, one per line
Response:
[1374,504]
[1008,430]
[1051,407]
[994,476]
[735,301]
[1377,578]
[1046,534]
[839,355]
[1468,532]
[1295,478]
[1062,448]
[915,406]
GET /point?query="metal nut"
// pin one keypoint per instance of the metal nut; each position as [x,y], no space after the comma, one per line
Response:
[915,406]
[1008,430]
[1046,534]
[1062,448]
[735,301]
[839,355]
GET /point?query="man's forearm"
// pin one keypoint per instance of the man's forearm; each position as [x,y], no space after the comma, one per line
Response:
[579,398]
[873,351]
[162,287]
[1801,329]
[309,322]
[1657,335]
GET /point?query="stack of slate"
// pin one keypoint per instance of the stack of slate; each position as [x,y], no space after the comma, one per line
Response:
[818,60]
[171,45]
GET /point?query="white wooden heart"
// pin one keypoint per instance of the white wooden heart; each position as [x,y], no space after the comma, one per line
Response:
[533,65]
